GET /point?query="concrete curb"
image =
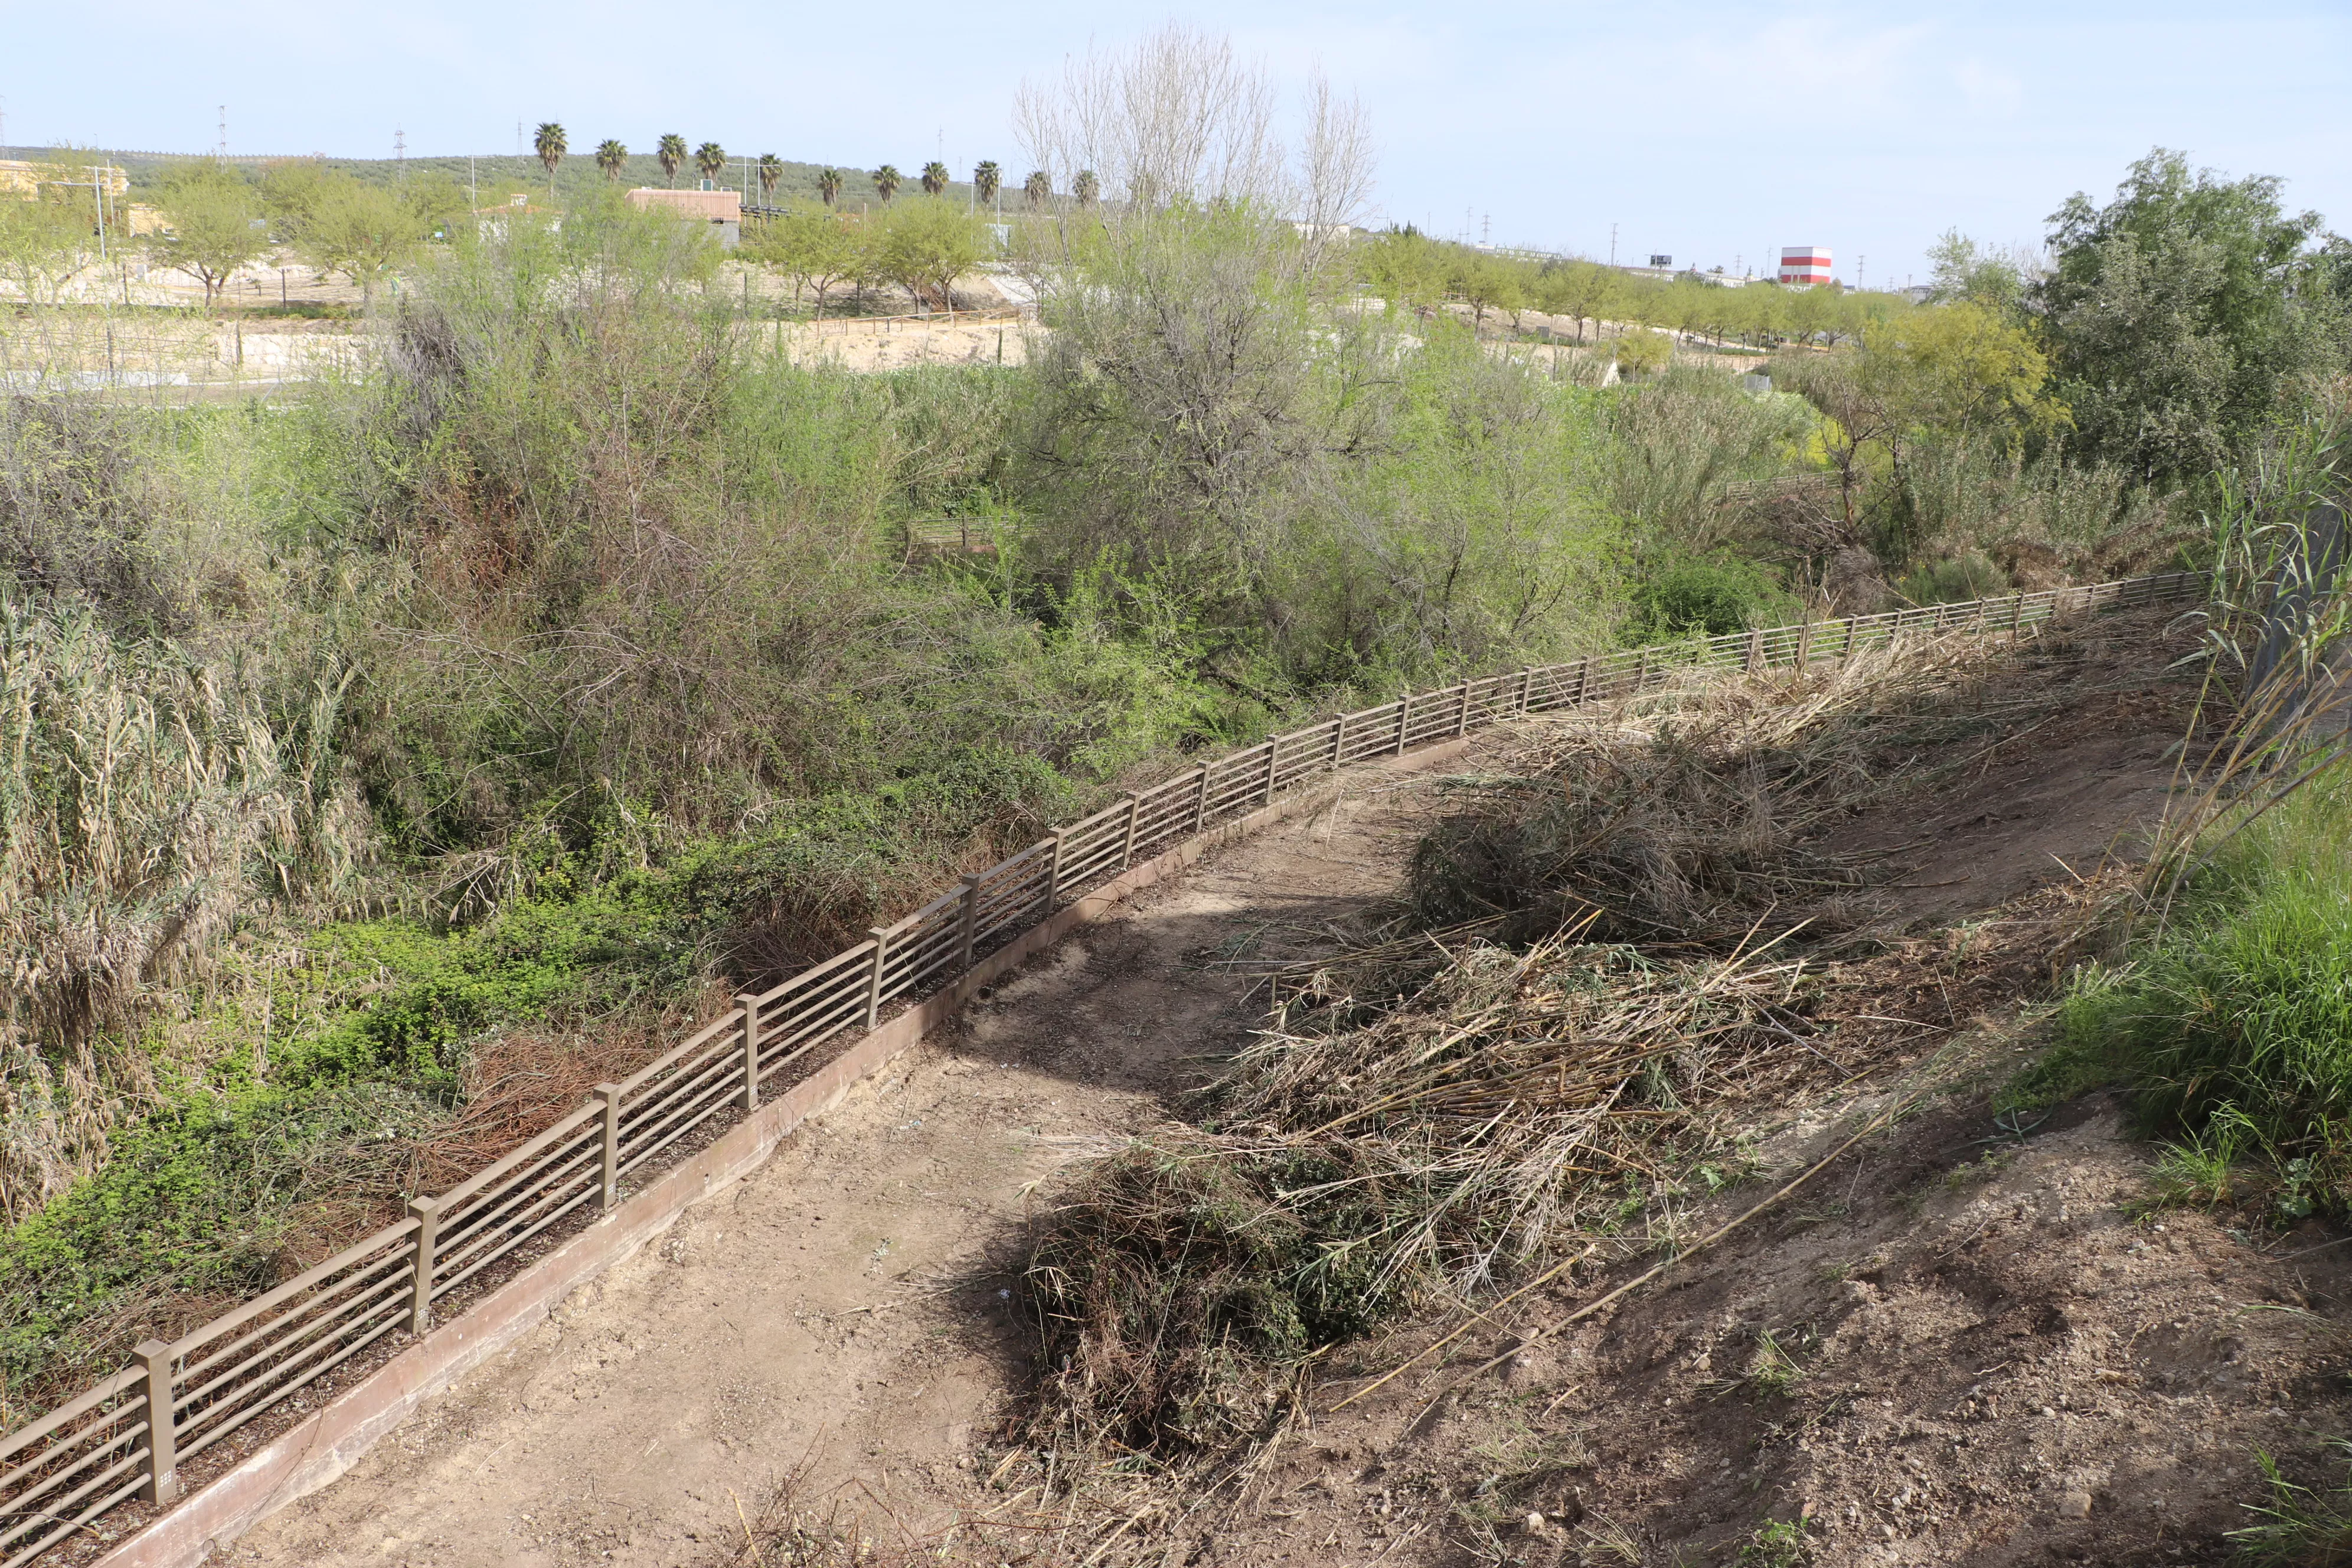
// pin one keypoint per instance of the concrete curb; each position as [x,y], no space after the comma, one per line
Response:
[322,1447]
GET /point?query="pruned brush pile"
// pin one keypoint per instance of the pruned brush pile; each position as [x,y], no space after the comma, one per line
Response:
[1705,811]
[1616,959]
[1371,1155]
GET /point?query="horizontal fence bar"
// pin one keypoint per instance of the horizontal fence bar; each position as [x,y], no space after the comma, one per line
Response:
[93,1452]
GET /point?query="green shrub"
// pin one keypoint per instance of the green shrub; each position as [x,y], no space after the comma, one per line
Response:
[1707,597]
[2243,1013]
[1956,580]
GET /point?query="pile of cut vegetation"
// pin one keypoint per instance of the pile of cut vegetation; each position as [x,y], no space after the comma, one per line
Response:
[1607,961]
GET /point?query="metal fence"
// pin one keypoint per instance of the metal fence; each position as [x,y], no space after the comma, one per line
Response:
[126,1437]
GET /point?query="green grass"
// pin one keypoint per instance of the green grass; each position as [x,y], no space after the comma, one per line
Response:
[2243,1013]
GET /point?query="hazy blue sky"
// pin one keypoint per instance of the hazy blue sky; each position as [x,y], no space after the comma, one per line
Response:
[1708,130]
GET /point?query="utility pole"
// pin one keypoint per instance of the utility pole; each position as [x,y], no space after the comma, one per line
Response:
[1486,229]
[1860,271]
[98,199]
[222,150]
[1613,245]
[399,154]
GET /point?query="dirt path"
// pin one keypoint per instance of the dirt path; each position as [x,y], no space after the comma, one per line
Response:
[845,1303]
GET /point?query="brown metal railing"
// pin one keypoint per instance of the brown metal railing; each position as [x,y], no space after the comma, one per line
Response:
[108,1444]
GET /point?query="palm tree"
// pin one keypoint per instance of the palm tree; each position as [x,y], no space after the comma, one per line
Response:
[671,151]
[711,157]
[1086,188]
[612,157]
[771,170]
[935,177]
[985,179]
[885,180]
[828,184]
[1037,188]
[549,145]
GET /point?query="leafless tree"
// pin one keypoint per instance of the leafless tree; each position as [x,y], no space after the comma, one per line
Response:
[1177,118]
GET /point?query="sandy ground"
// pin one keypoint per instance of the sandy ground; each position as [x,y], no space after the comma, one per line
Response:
[845,1304]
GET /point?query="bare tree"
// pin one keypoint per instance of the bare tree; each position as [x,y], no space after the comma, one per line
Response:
[1336,164]
[1175,117]
[1178,121]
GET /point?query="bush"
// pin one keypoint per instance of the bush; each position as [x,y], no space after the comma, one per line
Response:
[2242,1014]
[1954,580]
[1707,597]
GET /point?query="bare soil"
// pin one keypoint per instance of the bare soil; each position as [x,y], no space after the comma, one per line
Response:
[1965,1341]
[848,1303]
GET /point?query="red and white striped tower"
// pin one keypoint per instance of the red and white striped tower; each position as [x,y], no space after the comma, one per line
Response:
[1805,264]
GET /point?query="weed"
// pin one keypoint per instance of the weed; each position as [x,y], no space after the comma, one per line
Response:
[2202,1173]
[2299,1526]
[1779,1543]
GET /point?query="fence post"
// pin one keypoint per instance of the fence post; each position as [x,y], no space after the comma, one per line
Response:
[608,1095]
[1405,707]
[426,1212]
[1053,880]
[1462,714]
[1804,645]
[1127,845]
[1338,739]
[1527,689]
[1755,649]
[2016,617]
[751,1006]
[1200,803]
[1641,671]
[874,976]
[163,1483]
[970,917]
[1583,680]
[1272,759]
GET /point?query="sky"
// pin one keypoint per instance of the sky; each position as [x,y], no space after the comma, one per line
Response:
[1716,133]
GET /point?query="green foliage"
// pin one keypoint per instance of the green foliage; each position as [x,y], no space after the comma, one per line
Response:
[49,239]
[2184,316]
[2301,1526]
[1642,352]
[1706,596]
[2239,1020]
[1954,580]
[213,223]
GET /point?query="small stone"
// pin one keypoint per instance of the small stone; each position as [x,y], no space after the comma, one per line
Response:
[2073,1505]
[1535,1523]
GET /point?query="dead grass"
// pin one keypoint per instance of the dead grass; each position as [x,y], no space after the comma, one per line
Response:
[1660,953]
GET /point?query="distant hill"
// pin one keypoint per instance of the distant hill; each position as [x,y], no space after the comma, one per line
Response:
[497,175]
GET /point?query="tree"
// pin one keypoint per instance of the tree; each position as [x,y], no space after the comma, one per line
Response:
[291,189]
[671,151]
[818,249]
[935,177]
[828,184]
[1086,188]
[361,231]
[885,182]
[49,240]
[612,157]
[1038,188]
[211,224]
[1582,290]
[709,158]
[2182,316]
[924,247]
[772,171]
[549,144]
[986,180]
[1963,271]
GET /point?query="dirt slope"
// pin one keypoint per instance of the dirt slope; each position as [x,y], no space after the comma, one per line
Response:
[844,1303]
[1958,1344]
